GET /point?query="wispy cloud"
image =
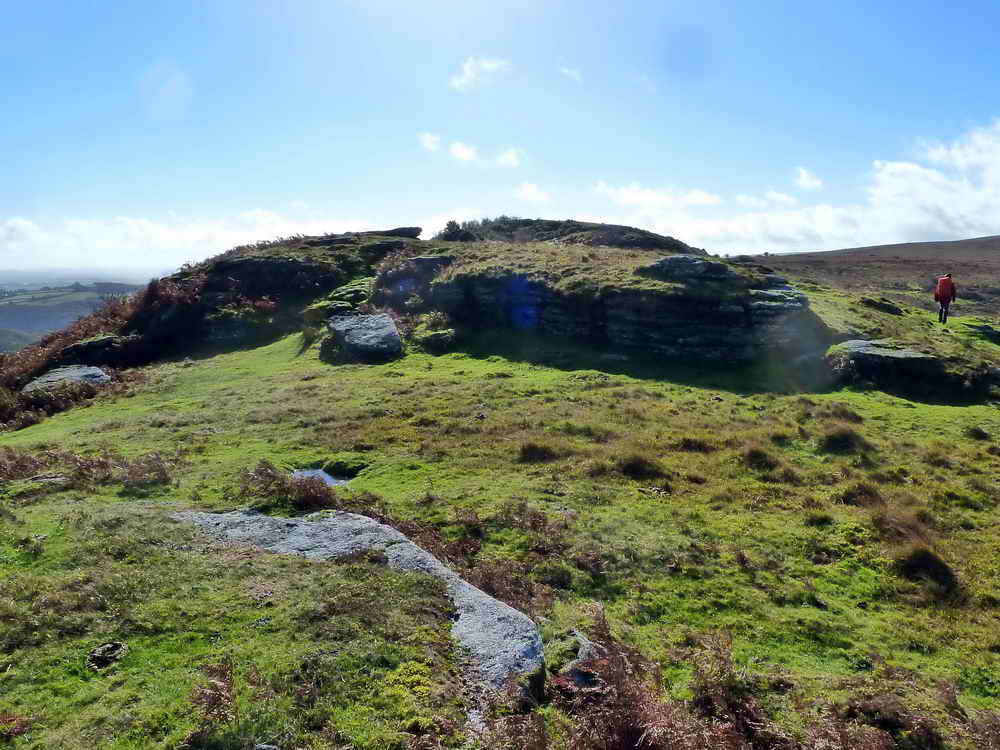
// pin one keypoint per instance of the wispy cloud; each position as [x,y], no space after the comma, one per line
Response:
[510,157]
[949,191]
[806,179]
[634,194]
[573,73]
[529,192]
[770,198]
[476,71]
[463,151]
[429,141]
[137,242]
[780,198]
[165,90]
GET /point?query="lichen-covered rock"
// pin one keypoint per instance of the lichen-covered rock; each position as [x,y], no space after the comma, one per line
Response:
[429,265]
[72,375]
[274,276]
[502,643]
[369,338]
[436,342]
[724,319]
[686,267]
[895,368]
[877,359]
[102,349]
[409,232]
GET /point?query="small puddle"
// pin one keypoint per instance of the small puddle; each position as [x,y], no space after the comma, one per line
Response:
[329,479]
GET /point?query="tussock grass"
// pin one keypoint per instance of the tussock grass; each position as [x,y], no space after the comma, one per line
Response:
[639,466]
[841,437]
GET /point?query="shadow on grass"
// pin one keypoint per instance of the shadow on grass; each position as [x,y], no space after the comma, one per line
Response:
[984,331]
[773,376]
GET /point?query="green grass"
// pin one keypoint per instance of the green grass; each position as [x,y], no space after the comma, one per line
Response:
[917,328]
[48,297]
[718,542]
[11,341]
[311,645]
[568,268]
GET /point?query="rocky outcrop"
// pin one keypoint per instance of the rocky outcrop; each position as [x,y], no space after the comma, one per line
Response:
[894,368]
[72,375]
[501,643]
[369,338]
[103,349]
[341,301]
[408,232]
[567,232]
[687,267]
[709,312]
[274,276]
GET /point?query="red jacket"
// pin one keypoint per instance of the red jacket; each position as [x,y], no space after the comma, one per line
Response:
[945,290]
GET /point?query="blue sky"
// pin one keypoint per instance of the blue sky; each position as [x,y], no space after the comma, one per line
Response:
[143,135]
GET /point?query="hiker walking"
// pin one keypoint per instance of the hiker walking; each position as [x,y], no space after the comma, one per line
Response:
[944,295]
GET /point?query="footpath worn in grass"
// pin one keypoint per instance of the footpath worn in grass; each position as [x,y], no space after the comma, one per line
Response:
[847,541]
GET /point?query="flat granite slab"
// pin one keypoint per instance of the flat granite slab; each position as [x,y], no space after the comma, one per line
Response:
[503,644]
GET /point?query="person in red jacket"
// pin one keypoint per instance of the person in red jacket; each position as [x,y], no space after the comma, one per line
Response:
[944,295]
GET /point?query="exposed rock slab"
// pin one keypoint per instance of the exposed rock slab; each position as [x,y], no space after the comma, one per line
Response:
[502,643]
[370,338]
[72,375]
[686,267]
[897,369]
[103,349]
[874,357]
[723,319]
[408,232]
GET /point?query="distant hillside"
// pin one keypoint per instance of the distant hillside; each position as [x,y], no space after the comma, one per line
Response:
[906,272]
[570,232]
[11,341]
[37,311]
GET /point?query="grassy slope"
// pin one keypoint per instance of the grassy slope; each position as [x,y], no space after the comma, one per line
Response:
[568,268]
[917,328]
[11,341]
[805,582]
[906,273]
[38,311]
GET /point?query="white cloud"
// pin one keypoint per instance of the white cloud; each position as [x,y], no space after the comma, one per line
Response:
[806,179]
[573,73]
[135,242]
[780,198]
[463,151]
[165,90]
[476,71]
[635,194]
[752,201]
[949,191]
[531,193]
[429,141]
[770,198]
[510,157]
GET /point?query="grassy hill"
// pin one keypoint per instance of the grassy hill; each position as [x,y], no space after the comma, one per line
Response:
[37,311]
[11,341]
[906,272]
[784,567]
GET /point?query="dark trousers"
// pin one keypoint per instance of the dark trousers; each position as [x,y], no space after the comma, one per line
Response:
[943,312]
